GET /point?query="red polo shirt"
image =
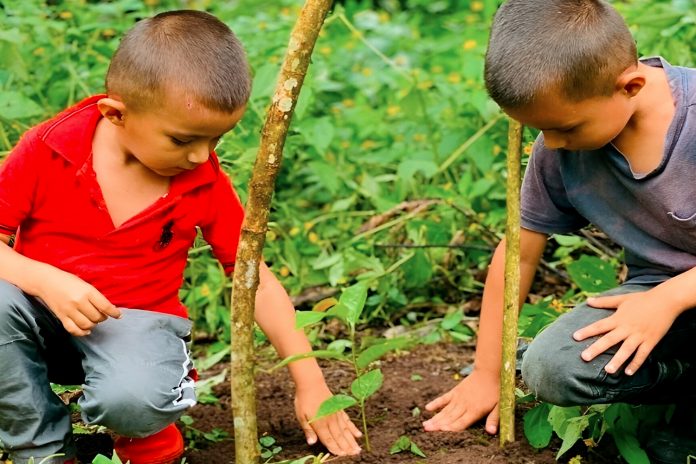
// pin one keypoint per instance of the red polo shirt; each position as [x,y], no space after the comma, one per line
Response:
[49,197]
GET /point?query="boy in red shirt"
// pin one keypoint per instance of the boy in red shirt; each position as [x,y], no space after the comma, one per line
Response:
[104,201]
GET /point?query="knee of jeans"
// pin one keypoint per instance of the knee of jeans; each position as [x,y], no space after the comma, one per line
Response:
[555,376]
[10,299]
[130,412]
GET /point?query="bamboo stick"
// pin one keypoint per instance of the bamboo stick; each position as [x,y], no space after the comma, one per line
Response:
[246,277]
[512,286]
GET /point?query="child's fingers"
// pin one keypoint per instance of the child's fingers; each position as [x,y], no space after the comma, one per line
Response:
[608,302]
[493,420]
[73,329]
[309,432]
[639,358]
[343,437]
[628,347]
[103,305]
[596,328]
[439,402]
[327,439]
[444,419]
[603,344]
[355,431]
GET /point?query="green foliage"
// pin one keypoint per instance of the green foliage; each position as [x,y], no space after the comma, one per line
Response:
[403,443]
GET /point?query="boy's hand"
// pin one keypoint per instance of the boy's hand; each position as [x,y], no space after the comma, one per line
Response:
[472,399]
[336,431]
[78,305]
[636,325]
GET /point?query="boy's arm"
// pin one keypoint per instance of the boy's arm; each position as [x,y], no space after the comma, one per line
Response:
[477,395]
[640,321]
[275,315]
[78,305]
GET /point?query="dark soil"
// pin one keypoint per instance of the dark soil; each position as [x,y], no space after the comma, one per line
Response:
[390,412]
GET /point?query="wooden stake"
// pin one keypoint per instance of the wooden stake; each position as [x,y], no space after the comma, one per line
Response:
[512,286]
[261,185]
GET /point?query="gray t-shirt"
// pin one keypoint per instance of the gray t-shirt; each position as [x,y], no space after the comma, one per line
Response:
[652,216]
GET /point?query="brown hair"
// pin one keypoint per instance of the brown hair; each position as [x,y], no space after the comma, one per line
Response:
[577,47]
[188,50]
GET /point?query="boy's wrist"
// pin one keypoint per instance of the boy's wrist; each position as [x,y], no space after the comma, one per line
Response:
[306,374]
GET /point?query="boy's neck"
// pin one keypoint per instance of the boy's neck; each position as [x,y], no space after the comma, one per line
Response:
[642,140]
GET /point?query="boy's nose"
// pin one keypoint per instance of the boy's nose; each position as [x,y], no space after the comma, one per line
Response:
[198,156]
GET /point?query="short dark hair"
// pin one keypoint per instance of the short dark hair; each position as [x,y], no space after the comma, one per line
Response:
[576,47]
[188,50]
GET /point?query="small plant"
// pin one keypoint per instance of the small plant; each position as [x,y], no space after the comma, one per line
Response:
[269,448]
[194,437]
[403,443]
[348,309]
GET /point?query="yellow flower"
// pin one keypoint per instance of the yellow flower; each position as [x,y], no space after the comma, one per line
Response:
[454,78]
[469,45]
[271,236]
[496,150]
[294,231]
[527,150]
[325,50]
[39,51]
[284,271]
[393,110]
[476,6]
[65,15]
[108,33]
[285,11]
[151,2]
[308,225]
[368,144]
[383,17]
[575,460]
[348,103]
[313,237]
[436,69]
[367,72]
[205,290]
[425,85]
[557,305]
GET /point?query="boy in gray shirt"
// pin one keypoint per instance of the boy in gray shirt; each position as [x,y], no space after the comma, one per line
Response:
[617,149]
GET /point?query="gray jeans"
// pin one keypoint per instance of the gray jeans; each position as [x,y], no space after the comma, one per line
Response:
[134,372]
[553,370]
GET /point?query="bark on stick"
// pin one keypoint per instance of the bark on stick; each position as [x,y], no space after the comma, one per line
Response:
[512,286]
[261,185]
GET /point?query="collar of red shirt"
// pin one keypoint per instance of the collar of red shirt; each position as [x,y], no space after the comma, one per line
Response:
[70,135]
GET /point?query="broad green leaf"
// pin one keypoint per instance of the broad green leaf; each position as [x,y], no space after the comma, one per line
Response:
[537,428]
[14,105]
[334,404]
[452,319]
[401,444]
[305,318]
[572,433]
[559,417]
[367,384]
[353,299]
[630,449]
[375,352]
[592,274]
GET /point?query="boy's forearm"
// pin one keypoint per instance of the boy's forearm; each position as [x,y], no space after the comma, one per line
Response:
[25,273]
[489,346]
[275,315]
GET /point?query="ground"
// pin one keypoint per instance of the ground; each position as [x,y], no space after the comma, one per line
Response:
[391,413]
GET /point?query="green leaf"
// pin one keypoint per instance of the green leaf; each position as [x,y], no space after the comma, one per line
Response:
[573,433]
[14,105]
[537,428]
[101,459]
[401,444]
[417,270]
[334,404]
[267,441]
[367,384]
[452,319]
[353,299]
[305,318]
[559,417]
[592,274]
[416,450]
[630,449]
[375,352]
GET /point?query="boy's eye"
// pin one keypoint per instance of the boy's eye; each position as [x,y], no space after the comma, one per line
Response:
[179,142]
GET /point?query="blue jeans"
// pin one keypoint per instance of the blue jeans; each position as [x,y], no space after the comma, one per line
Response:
[554,371]
[134,372]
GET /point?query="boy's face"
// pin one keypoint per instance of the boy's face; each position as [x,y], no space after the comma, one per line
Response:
[176,136]
[585,125]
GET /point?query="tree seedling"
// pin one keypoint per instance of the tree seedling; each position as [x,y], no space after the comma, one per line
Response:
[403,443]
[367,381]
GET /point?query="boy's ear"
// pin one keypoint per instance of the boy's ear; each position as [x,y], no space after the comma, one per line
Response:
[630,82]
[112,109]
